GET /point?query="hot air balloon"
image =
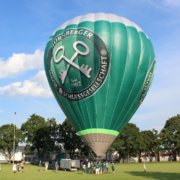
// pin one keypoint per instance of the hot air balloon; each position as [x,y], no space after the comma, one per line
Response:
[99,67]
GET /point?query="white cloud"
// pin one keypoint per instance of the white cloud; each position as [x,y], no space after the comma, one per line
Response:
[36,86]
[20,63]
[172,3]
[152,3]
[160,4]
[1,111]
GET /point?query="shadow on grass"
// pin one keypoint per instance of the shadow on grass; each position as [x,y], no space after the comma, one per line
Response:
[156,175]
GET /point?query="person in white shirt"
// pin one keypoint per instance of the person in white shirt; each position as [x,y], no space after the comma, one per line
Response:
[46,166]
[144,167]
[14,168]
[88,165]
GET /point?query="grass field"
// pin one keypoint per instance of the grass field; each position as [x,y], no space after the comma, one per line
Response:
[160,171]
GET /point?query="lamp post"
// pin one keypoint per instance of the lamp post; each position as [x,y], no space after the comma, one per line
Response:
[14,137]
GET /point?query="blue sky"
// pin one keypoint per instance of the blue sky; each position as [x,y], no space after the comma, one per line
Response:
[26,27]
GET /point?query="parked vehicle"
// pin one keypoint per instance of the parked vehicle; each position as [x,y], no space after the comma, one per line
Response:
[68,164]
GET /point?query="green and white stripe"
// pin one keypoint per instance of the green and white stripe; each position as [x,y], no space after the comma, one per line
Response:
[131,60]
[92,17]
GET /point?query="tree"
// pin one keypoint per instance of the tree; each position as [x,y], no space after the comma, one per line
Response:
[128,141]
[152,142]
[7,140]
[170,134]
[69,137]
[86,149]
[51,131]
[40,135]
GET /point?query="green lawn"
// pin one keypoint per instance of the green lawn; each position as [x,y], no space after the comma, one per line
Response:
[160,171]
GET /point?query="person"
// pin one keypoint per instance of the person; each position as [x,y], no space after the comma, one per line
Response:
[82,164]
[89,165]
[40,164]
[56,166]
[144,167]
[84,169]
[100,168]
[92,168]
[46,166]
[107,165]
[14,168]
[18,167]
[22,167]
[97,167]
[104,168]
[113,168]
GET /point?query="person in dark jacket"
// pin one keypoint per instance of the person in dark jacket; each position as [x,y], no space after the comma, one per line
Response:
[113,168]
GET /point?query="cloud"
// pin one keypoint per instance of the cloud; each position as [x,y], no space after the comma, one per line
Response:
[36,86]
[174,3]
[162,3]
[20,63]
[152,3]
[1,111]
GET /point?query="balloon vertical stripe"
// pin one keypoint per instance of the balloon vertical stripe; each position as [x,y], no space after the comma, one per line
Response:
[100,68]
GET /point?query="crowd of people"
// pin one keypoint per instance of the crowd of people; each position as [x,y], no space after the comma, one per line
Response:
[97,167]
[56,166]
[92,167]
[18,167]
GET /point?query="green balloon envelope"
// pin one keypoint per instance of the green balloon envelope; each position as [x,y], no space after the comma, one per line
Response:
[99,67]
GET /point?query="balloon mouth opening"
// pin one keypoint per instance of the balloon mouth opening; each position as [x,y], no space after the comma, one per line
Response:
[99,142]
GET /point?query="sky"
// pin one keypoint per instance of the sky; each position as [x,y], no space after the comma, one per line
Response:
[26,27]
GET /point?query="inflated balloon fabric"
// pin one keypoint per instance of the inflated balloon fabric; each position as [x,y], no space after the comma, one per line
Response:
[99,67]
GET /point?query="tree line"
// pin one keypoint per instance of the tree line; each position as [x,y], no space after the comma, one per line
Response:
[132,141]
[47,135]
[42,135]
